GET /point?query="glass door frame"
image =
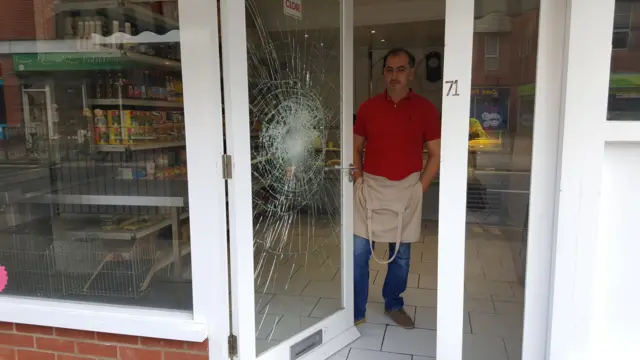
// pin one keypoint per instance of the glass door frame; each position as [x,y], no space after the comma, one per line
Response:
[541,244]
[456,97]
[338,329]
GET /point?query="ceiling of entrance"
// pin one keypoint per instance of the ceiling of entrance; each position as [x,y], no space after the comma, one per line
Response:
[413,34]
[375,2]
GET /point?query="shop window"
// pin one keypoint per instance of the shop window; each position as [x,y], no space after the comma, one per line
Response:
[622,25]
[491,52]
[624,80]
[96,166]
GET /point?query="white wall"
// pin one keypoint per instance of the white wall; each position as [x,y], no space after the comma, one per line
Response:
[615,333]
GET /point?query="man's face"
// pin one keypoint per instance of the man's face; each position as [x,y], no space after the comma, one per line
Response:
[397,72]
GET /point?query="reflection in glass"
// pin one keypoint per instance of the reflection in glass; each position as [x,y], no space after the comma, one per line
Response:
[93,172]
[500,148]
[294,98]
[624,83]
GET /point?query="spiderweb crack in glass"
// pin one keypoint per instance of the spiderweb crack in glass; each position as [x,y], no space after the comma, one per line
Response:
[295,103]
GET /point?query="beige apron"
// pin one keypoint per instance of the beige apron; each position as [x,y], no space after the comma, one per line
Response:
[388,211]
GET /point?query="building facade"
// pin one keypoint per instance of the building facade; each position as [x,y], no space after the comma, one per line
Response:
[113,247]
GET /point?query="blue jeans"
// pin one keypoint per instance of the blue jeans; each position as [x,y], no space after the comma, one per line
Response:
[394,284]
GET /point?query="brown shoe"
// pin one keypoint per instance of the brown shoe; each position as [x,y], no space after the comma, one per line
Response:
[360,322]
[401,318]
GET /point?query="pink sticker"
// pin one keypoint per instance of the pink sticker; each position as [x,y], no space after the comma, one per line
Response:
[4,277]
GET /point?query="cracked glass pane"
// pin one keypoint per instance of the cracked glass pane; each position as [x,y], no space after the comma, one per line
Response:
[294,97]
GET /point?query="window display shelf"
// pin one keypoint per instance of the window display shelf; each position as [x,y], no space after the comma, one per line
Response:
[108,200]
[134,102]
[88,226]
[142,146]
[119,8]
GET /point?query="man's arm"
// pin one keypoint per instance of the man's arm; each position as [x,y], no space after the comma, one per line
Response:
[433,164]
[358,149]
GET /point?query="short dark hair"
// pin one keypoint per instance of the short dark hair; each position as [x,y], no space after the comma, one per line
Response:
[399,51]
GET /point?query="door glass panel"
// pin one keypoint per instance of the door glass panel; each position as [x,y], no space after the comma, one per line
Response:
[93,168]
[624,82]
[501,125]
[294,99]
[424,39]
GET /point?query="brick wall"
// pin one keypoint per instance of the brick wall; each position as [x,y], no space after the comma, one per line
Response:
[17,20]
[26,342]
[12,92]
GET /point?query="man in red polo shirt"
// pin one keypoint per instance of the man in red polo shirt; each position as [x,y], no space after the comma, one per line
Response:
[390,132]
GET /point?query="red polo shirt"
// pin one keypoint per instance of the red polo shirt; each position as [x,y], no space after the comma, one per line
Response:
[396,133]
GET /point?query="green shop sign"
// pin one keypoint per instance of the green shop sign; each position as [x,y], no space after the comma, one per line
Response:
[624,80]
[616,81]
[71,61]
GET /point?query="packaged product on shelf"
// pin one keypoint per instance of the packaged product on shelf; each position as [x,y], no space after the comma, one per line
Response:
[101,128]
[164,128]
[177,119]
[114,118]
[132,172]
[140,126]
[151,169]
[115,135]
[112,222]
[166,173]
[181,170]
[115,127]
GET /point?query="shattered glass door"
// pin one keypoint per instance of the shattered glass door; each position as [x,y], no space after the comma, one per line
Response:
[294,76]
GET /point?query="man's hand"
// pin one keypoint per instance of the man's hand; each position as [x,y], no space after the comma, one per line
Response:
[358,148]
[433,164]
[356,174]
[425,187]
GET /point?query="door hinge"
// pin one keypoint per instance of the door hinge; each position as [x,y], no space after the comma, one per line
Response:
[233,346]
[227,167]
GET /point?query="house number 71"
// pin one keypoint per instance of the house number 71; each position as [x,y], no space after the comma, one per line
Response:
[453,88]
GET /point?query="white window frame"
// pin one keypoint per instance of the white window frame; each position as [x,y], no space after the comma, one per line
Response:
[489,37]
[201,77]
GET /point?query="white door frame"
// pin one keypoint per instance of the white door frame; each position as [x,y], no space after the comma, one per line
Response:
[544,174]
[456,97]
[338,329]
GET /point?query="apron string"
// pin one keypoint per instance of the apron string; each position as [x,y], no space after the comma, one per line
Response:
[398,237]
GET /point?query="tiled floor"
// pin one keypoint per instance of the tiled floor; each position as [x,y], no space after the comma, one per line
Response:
[492,315]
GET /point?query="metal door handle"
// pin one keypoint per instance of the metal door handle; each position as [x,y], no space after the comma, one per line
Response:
[350,169]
